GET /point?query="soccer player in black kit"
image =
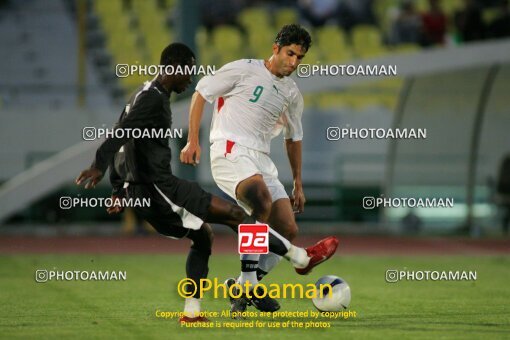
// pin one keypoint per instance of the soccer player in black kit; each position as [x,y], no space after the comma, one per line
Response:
[140,168]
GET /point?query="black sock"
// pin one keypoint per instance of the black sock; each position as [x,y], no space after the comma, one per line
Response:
[275,244]
[197,266]
[249,265]
[260,274]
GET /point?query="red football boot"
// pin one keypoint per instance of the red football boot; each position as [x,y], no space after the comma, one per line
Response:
[319,253]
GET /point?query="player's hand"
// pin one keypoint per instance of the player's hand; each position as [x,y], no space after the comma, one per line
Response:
[190,154]
[298,199]
[92,176]
[116,206]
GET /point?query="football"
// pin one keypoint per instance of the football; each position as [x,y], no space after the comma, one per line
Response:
[333,294]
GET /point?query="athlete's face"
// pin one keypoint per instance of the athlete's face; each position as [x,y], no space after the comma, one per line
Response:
[184,80]
[287,58]
[176,82]
[182,83]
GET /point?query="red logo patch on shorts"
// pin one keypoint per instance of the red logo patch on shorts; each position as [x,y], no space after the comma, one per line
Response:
[253,239]
[228,147]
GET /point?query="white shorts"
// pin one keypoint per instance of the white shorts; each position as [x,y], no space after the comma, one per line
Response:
[230,167]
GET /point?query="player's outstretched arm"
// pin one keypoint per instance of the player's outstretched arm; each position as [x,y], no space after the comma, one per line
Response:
[91,176]
[142,115]
[190,154]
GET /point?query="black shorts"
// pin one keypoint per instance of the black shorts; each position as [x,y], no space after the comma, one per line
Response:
[176,206]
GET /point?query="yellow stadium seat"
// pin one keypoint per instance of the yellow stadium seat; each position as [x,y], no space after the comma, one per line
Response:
[228,43]
[123,42]
[332,100]
[144,6]
[209,57]
[389,85]
[359,97]
[108,7]
[151,19]
[207,52]
[332,35]
[170,3]
[260,43]
[285,16]
[156,43]
[311,100]
[255,18]
[421,5]
[333,45]
[112,20]
[451,6]
[313,56]
[367,41]
[388,91]
[226,37]
[359,102]
[406,48]
[381,9]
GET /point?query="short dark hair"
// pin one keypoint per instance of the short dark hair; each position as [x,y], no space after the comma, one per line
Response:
[293,34]
[176,53]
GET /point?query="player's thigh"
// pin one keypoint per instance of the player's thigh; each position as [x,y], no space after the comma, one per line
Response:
[230,168]
[270,177]
[237,172]
[282,218]
[169,225]
[254,192]
[159,214]
[225,212]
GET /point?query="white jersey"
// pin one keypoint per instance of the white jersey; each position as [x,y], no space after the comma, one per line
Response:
[252,105]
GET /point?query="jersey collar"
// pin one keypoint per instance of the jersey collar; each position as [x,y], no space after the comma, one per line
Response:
[161,87]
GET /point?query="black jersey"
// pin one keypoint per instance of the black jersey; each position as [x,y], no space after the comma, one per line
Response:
[139,160]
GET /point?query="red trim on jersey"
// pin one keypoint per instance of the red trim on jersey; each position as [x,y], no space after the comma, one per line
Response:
[229,147]
[221,101]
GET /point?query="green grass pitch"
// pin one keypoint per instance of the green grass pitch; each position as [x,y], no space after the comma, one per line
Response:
[126,309]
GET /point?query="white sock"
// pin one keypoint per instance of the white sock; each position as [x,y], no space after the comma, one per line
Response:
[249,265]
[268,261]
[298,257]
[248,276]
[191,307]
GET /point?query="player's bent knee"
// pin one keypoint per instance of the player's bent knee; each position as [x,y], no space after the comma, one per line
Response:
[237,214]
[264,205]
[209,234]
[259,198]
[261,211]
[202,238]
[263,201]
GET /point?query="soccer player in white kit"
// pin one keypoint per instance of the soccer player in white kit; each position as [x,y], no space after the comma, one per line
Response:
[254,100]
